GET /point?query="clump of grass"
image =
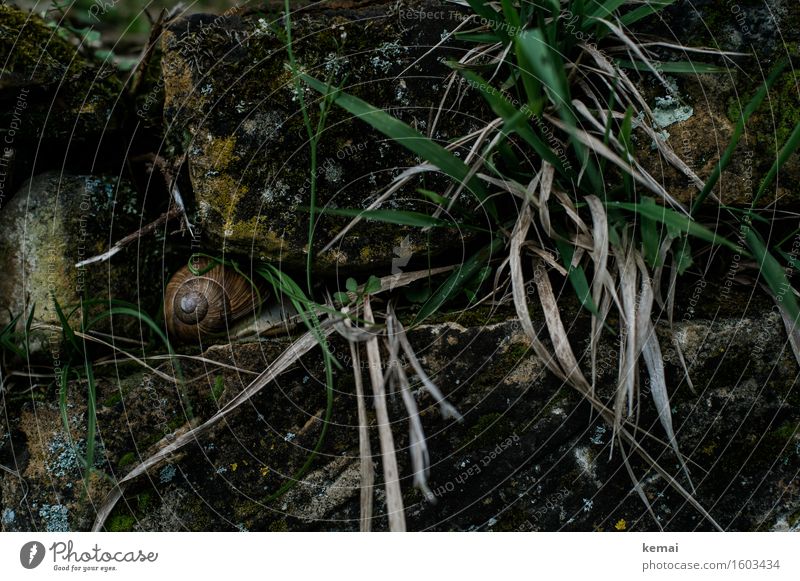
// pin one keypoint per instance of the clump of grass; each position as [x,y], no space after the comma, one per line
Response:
[586,208]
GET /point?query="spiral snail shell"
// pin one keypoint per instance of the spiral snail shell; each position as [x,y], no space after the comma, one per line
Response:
[209,302]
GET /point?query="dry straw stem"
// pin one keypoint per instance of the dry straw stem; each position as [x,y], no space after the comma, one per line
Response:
[395,379]
[637,337]
[445,408]
[391,475]
[602,279]
[420,458]
[364,448]
[633,168]
[90,337]
[172,444]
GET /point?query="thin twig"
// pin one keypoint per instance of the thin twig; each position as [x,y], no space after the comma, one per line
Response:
[140,233]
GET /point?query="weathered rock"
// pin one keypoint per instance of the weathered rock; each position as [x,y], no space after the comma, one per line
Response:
[700,139]
[766,31]
[56,221]
[226,82]
[763,26]
[55,103]
[528,456]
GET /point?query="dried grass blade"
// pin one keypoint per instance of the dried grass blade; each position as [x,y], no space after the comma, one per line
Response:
[394,281]
[122,352]
[600,258]
[445,408]
[558,334]
[628,354]
[547,257]
[508,185]
[170,444]
[636,49]
[391,474]
[637,485]
[547,175]
[367,469]
[635,170]
[396,184]
[607,67]
[624,434]
[420,458]
[520,295]
[647,342]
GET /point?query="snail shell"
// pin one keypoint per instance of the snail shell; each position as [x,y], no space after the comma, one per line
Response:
[197,305]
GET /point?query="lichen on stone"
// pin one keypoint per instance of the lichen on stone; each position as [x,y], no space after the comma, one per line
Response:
[56,518]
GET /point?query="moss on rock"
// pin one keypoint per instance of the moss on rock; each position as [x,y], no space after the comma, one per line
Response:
[248,148]
[55,103]
[54,222]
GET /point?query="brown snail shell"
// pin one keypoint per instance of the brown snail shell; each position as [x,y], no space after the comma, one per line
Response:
[208,303]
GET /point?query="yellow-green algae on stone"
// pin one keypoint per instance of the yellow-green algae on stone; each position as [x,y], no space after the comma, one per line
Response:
[57,220]
[233,104]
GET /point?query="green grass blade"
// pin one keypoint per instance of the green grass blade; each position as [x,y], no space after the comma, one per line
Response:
[605,9]
[674,220]
[66,328]
[515,120]
[479,37]
[651,237]
[147,320]
[8,337]
[651,7]
[754,103]
[456,281]
[626,140]
[542,62]
[295,478]
[400,217]
[404,135]
[554,5]
[284,284]
[682,251]
[29,322]
[481,8]
[787,150]
[510,13]
[545,63]
[91,421]
[793,262]
[531,83]
[773,273]
[136,314]
[577,277]
[434,197]
[62,401]
[678,68]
